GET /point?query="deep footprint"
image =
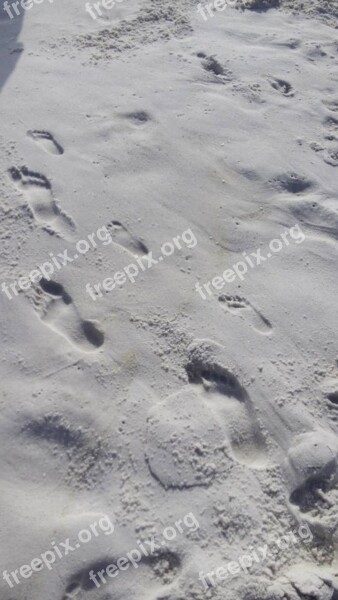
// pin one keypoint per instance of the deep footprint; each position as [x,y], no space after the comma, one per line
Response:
[212,65]
[46,141]
[293,183]
[124,238]
[312,475]
[240,306]
[138,117]
[60,313]
[223,393]
[37,190]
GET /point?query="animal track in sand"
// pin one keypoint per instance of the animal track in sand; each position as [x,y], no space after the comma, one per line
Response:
[223,393]
[281,86]
[124,238]
[58,311]
[242,307]
[46,141]
[37,191]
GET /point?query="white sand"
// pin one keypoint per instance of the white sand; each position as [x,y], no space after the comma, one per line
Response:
[149,402]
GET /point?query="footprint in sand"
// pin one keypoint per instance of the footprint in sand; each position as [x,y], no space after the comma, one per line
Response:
[292,183]
[57,310]
[124,238]
[281,86]
[241,307]
[138,117]
[77,454]
[194,436]
[329,148]
[222,392]
[37,191]
[212,65]
[331,104]
[303,580]
[311,472]
[46,141]
[158,569]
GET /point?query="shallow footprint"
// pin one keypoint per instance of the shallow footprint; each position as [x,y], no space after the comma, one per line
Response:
[240,306]
[58,311]
[37,190]
[46,141]
[124,238]
[281,86]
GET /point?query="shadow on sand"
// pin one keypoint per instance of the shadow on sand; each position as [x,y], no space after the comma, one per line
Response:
[10,48]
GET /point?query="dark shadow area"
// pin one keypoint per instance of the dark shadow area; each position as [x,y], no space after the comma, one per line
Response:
[10,48]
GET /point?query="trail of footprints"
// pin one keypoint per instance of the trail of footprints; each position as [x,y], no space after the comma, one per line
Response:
[54,305]
[192,436]
[37,189]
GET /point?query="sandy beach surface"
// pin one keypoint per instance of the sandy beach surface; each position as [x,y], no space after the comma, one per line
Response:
[169,237]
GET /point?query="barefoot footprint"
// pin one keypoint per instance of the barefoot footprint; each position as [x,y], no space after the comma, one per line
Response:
[223,393]
[37,190]
[124,238]
[46,141]
[195,435]
[241,307]
[281,86]
[58,311]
